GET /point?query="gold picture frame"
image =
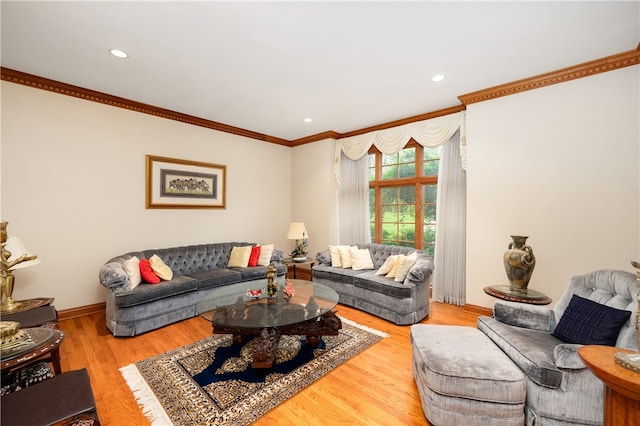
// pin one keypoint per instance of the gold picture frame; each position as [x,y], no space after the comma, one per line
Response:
[172,183]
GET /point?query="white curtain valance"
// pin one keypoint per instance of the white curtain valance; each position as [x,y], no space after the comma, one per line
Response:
[430,133]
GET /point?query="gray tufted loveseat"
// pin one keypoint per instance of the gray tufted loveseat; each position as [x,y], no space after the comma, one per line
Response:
[402,303]
[197,269]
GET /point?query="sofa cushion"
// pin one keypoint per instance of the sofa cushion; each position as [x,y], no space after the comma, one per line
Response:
[266,252]
[383,285]
[145,293]
[360,259]
[132,267]
[216,278]
[405,265]
[590,323]
[239,257]
[531,350]
[337,274]
[147,273]
[255,255]
[160,268]
[387,265]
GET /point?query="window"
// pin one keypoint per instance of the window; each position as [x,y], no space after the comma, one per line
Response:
[402,197]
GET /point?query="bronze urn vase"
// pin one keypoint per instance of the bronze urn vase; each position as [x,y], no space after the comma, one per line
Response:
[519,262]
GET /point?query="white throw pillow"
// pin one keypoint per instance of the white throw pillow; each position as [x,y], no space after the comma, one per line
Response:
[345,256]
[360,259]
[335,256]
[396,264]
[239,257]
[160,268]
[132,268]
[387,265]
[404,267]
[266,251]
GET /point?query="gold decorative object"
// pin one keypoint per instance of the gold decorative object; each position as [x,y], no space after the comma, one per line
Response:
[11,334]
[272,283]
[627,360]
[14,256]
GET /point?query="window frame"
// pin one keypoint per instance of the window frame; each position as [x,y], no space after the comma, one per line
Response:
[417,181]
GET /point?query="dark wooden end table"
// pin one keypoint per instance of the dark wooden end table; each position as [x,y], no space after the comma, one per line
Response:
[505,292]
[309,313]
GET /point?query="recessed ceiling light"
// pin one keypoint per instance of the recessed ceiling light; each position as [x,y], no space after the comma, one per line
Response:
[438,77]
[118,53]
[308,120]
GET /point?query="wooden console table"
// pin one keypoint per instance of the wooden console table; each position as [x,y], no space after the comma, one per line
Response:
[622,386]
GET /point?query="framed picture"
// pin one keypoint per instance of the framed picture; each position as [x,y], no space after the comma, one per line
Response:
[182,184]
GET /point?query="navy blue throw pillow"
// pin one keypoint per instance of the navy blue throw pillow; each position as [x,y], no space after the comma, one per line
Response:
[590,323]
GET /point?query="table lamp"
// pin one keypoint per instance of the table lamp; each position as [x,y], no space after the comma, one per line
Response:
[298,232]
[627,360]
[14,256]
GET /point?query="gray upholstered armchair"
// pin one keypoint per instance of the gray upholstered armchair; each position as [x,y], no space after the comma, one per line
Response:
[542,342]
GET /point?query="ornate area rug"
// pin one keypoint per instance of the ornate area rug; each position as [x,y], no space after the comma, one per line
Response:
[211,382]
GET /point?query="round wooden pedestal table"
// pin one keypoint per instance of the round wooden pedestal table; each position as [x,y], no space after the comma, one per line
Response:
[622,386]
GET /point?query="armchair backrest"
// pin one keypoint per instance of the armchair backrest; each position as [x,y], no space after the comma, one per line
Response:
[618,289]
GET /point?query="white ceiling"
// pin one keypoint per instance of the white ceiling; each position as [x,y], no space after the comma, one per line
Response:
[265,66]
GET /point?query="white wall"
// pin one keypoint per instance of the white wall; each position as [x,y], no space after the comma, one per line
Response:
[314,194]
[561,165]
[73,189]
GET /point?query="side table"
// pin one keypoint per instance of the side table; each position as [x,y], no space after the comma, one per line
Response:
[622,386]
[299,270]
[505,292]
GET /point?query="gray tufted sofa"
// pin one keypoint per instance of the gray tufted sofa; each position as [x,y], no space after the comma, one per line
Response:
[402,303]
[197,269]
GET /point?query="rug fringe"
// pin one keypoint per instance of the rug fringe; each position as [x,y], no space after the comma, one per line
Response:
[364,327]
[144,396]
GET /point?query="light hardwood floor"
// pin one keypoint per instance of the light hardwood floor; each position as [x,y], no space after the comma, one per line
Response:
[376,387]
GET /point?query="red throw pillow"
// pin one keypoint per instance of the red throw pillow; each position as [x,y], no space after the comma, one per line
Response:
[255,254]
[147,273]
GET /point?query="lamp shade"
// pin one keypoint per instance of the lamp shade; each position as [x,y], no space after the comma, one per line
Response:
[297,231]
[17,249]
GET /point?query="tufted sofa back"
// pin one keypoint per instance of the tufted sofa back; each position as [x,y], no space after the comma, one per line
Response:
[380,252]
[618,289]
[189,259]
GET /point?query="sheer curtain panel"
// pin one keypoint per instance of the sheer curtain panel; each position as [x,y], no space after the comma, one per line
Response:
[353,202]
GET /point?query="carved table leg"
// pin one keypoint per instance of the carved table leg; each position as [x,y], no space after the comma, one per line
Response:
[264,353]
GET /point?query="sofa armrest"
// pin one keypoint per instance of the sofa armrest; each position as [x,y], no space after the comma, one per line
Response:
[277,256]
[421,270]
[533,317]
[323,258]
[566,356]
[113,276]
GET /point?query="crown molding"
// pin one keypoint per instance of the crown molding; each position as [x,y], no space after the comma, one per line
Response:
[609,63]
[586,69]
[37,82]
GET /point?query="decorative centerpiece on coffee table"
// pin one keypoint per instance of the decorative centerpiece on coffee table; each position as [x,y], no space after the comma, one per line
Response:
[272,283]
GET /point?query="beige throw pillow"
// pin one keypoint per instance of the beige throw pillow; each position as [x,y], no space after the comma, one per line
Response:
[266,251]
[132,269]
[160,268]
[360,259]
[239,257]
[345,256]
[396,264]
[404,266]
[387,265]
[335,256]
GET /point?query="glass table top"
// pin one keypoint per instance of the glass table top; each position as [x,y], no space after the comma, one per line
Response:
[233,306]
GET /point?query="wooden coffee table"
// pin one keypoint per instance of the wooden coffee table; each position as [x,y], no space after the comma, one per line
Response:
[309,313]
[43,340]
